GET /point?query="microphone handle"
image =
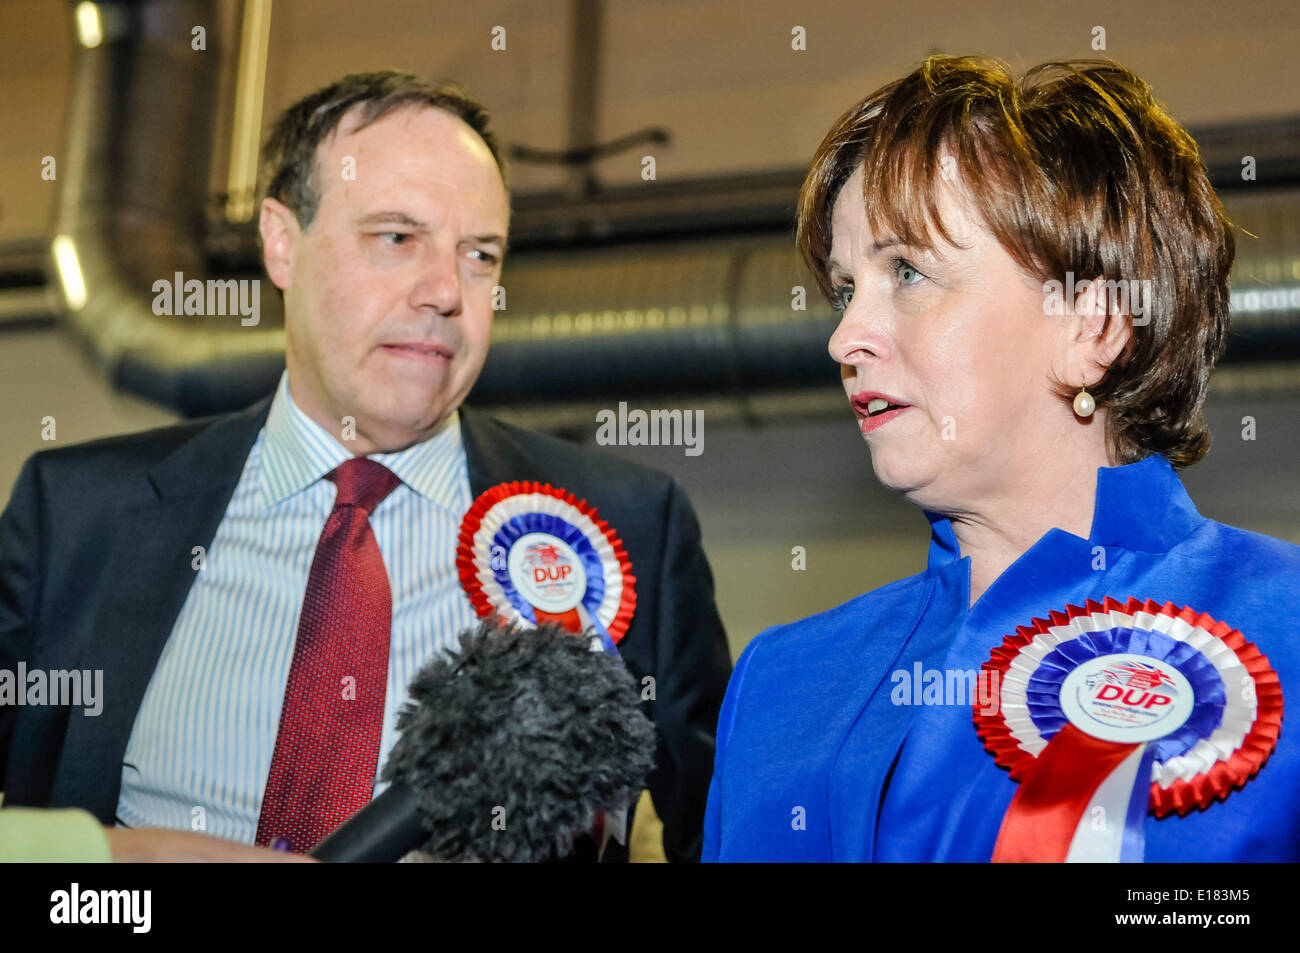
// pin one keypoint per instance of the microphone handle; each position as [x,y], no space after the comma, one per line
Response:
[382,832]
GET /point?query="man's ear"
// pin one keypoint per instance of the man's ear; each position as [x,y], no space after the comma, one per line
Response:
[280,233]
[1099,330]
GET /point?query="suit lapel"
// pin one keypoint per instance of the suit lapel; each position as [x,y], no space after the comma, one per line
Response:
[881,726]
[147,577]
[492,455]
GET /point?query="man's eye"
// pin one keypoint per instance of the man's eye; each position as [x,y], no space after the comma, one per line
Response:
[843,294]
[400,238]
[484,256]
[906,272]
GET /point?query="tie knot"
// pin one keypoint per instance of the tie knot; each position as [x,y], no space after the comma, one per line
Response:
[362,482]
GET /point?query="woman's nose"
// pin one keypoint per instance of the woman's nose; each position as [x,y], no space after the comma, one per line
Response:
[859,336]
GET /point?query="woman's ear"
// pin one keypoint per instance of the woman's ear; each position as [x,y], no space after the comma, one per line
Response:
[1100,326]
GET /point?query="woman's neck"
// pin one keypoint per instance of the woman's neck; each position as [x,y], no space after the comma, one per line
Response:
[1003,528]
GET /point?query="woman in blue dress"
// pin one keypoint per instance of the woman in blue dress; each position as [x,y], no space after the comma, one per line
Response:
[1032,281]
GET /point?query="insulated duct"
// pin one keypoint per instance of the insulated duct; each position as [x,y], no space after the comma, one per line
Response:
[134,184]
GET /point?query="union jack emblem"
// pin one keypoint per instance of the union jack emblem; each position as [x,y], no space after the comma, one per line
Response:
[1138,675]
[546,552]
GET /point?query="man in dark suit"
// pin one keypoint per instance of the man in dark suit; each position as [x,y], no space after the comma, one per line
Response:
[384,224]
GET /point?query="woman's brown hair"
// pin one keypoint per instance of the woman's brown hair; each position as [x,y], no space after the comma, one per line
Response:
[1075,169]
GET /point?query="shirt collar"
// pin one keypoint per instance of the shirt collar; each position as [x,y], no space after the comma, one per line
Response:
[297,452]
[1141,507]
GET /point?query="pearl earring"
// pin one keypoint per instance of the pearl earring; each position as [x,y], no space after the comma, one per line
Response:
[1084,405]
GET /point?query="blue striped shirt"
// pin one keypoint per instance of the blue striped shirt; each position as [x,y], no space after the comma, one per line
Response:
[202,742]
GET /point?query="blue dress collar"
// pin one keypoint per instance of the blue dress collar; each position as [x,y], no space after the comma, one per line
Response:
[1141,507]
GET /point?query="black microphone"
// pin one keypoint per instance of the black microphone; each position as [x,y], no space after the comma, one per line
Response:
[508,750]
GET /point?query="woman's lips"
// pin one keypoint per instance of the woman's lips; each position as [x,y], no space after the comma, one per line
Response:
[879,420]
[876,409]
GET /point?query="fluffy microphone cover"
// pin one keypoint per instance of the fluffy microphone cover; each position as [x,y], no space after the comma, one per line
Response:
[514,742]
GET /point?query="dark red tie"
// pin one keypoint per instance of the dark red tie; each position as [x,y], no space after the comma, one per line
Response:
[327,751]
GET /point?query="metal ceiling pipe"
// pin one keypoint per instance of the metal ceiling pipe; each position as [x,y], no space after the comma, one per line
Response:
[131,212]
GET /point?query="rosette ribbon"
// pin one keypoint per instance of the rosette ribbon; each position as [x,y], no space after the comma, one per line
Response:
[532,553]
[1115,710]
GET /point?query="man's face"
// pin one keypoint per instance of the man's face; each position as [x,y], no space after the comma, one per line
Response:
[388,292]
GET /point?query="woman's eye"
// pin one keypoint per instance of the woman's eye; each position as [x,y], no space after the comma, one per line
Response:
[905,272]
[843,295]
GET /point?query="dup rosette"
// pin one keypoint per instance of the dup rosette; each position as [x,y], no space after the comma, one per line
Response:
[532,552]
[1128,708]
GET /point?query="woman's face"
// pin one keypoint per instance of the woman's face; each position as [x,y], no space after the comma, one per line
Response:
[959,336]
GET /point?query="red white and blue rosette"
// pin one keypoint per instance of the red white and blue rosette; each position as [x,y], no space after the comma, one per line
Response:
[1113,710]
[532,552]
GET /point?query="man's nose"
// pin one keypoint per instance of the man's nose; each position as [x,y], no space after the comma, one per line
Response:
[438,286]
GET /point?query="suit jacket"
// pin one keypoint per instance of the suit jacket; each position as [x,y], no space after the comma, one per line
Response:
[821,758]
[95,565]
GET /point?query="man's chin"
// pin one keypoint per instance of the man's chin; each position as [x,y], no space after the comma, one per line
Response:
[393,428]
